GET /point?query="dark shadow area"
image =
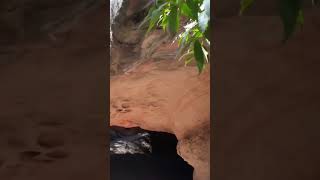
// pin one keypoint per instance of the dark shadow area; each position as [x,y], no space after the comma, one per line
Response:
[163,163]
[54,90]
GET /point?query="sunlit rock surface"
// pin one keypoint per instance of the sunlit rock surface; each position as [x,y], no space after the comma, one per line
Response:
[136,143]
[166,97]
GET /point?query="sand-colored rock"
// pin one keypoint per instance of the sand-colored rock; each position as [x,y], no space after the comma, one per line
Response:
[157,93]
[167,97]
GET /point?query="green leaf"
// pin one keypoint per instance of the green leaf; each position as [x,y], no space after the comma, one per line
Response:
[197,33]
[244,5]
[164,21]
[184,43]
[173,20]
[207,32]
[300,18]
[179,2]
[289,13]
[199,55]
[159,2]
[147,18]
[185,10]
[194,7]
[186,38]
[155,16]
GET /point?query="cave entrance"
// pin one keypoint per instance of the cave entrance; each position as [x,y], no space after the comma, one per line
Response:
[137,154]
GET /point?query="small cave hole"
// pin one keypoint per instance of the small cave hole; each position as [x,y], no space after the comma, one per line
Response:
[137,154]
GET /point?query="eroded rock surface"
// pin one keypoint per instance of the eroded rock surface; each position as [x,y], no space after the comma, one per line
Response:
[126,35]
[167,97]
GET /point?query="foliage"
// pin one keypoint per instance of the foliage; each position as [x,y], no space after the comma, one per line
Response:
[290,11]
[244,5]
[291,15]
[194,40]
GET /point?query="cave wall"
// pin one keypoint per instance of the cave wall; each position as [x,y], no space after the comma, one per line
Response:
[167,97]
[146,95]
[126,35]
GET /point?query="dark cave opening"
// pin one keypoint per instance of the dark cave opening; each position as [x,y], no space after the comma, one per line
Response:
[160,161]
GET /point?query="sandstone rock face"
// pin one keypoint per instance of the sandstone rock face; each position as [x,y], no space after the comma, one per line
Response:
[155,92]
[167,97]
[126,36]
[195,149]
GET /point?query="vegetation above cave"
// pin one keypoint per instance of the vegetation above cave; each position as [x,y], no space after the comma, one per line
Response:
[194,41]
